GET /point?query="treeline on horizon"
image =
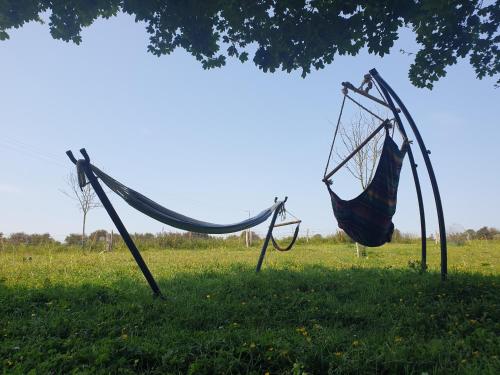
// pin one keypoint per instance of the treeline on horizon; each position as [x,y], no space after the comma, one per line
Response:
[100,240]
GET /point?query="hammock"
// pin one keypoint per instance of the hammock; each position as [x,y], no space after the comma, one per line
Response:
[367,219]
[292,242]
[85,170]
[172,218]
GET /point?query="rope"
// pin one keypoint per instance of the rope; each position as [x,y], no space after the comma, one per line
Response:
[380,92]
[80,173]
[366,109]
[335,136]
[290,245]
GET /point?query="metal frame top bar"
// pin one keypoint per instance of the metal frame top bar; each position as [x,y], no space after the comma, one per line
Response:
[288,223]
[350,86]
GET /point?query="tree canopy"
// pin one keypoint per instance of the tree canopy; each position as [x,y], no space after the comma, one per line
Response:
[289,34]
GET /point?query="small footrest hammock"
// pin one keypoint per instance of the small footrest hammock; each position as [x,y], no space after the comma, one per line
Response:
[367,218]
[87,171]
[294,235]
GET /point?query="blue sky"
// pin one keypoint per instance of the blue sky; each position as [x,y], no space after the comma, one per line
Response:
[214,144]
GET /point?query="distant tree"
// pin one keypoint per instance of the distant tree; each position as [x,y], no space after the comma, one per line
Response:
[98,235]
[85,197]
[40,239]
[73,239]
[19,238]
[486,233]
[483,233]
[470,234]
[290,34]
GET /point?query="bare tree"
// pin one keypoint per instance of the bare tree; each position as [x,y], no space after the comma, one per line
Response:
[85,197]
[363,164]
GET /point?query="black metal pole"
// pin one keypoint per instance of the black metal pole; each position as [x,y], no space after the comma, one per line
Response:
[423,231]
[118,223]
[268,237]
[430,171]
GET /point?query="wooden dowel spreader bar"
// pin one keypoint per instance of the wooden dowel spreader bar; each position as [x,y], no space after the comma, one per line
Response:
[350,86]
[349,157]
[288,223]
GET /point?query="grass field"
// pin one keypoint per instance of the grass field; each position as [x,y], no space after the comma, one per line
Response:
[316,310]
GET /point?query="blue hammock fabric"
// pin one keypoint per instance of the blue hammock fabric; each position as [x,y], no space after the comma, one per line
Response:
[172,218]
[367,219]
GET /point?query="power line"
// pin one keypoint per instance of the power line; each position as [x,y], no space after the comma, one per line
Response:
[30,152]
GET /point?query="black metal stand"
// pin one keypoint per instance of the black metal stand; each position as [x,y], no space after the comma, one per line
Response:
[389,94]
[268,236]
[85,164]
[116,220]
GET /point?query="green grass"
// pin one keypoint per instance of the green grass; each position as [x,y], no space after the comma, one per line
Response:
[316,309]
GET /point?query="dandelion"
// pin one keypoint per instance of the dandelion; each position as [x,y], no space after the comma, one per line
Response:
[302,331]
[124,336]
[355,343]
[398,339]
[338,354]
[252,345]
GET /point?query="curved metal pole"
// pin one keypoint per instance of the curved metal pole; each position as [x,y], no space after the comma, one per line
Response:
[423,231]
[430,170]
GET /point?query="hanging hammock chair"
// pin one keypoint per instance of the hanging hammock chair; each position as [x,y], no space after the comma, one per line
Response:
[367,219]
